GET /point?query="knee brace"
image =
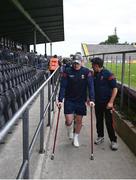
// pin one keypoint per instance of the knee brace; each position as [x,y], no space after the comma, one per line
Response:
[68,123]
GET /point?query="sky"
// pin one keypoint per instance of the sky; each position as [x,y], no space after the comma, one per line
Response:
[92,21]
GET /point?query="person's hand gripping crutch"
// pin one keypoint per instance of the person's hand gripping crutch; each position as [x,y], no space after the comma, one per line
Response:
[55,137]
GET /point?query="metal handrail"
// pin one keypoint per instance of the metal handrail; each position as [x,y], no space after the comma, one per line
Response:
[24,113]
[14,119]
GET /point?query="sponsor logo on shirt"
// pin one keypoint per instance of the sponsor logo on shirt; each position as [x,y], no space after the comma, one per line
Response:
[82,76]
[71,76]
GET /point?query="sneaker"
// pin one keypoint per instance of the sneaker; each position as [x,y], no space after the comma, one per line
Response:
[70,132]
[114,146]
[75,141]
[99,140]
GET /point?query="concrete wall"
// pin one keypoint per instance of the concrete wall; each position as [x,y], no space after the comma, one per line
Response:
[126,131]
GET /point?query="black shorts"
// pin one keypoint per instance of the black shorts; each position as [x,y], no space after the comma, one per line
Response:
[78,108]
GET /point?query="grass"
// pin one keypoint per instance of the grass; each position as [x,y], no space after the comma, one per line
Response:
[130,73]
[116,69]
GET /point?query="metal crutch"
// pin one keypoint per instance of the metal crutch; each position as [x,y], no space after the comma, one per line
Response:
[53,151]
[91,131]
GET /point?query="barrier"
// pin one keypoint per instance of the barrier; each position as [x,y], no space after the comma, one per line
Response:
[24,113]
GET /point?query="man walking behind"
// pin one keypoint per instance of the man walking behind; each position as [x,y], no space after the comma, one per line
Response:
[105,93]
[54,63]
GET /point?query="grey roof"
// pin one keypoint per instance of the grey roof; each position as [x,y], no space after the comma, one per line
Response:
[46,14]
[96,48]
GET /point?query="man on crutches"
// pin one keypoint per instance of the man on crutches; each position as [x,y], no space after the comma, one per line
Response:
[75,81]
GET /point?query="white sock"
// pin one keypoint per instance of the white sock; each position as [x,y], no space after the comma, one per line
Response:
[76,135]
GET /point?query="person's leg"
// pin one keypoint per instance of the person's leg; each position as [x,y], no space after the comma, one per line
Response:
[99,124]
[69,125]
[80,111]
[78,126]
[69,119]
[110,129]
[69,116]
[99,120]
[78,121]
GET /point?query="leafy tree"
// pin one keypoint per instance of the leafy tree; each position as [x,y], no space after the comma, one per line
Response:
[112,39]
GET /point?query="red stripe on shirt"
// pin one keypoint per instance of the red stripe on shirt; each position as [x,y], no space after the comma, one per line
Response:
[111,77]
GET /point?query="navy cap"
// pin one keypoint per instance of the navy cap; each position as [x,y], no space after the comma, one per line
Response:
[77,59]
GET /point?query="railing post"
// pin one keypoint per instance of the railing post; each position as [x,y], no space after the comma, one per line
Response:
[129,79]
[103,57]
[106,61]
[111,63]
[49,101]
[51,49]
[57,82]
[129,71]
[41,119]
[26,141]
[122,80]
[116,65]
[53,79]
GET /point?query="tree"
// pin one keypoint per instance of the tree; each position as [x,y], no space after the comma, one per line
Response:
[112,39]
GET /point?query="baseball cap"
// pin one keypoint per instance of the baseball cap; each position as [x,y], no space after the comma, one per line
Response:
[77,59]
[98,61]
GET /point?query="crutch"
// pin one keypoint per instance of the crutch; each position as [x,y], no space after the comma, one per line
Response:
[91,131]
[53,151]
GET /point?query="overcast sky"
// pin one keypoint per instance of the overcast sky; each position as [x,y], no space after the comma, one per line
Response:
[91,21]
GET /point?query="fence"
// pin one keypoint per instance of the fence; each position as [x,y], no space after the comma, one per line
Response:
[121,63]
[45,109]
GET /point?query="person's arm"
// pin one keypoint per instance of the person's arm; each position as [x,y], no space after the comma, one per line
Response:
[63,85]
[113,85]
[113,96]
[91,89]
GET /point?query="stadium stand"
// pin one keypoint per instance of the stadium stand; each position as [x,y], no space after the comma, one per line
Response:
[100,49]
[17,84]
[97,48]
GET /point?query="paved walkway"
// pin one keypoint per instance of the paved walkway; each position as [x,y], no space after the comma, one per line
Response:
[75,163]
[69,162]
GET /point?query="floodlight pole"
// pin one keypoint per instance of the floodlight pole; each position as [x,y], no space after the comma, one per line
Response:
[51,49]
[34,40]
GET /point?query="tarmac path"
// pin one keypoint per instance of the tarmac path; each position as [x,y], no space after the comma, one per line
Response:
[75,163]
